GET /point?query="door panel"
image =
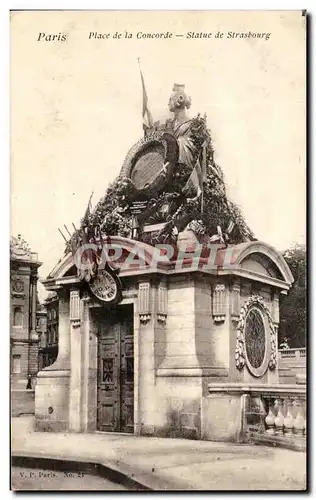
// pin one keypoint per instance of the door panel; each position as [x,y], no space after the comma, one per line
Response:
[127,384]
[108,366]
[116,371]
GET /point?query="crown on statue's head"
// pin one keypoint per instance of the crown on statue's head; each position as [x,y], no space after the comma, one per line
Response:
[177,87]
[179,99]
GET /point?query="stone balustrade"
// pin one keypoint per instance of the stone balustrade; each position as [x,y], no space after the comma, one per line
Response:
[292,365]
[293,354]
[261,413]
[277,415]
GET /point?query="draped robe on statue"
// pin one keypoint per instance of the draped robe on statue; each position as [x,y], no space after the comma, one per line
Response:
[182,132]
[186,147]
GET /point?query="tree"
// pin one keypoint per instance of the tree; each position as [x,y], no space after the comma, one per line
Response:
[293,306]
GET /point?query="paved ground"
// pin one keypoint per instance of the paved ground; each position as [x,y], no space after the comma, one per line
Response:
[170,464]
[40,479]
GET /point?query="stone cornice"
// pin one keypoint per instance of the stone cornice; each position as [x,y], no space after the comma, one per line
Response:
[54,284]
[236,255]
[257,388]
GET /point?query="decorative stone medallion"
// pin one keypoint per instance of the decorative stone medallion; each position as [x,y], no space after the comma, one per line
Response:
[18,286]
[256,337]
[150,163]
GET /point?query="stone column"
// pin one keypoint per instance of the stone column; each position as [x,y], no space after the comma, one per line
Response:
[75,362]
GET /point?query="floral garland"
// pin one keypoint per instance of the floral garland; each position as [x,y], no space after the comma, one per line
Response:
[240,341]
[197,227]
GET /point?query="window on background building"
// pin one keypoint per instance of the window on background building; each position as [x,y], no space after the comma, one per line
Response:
[48,335]
[17,316]
[16,363]
[53,335]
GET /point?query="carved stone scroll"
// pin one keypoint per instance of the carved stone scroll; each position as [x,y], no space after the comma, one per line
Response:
[219,302]
[162,302]
[144,302]
[74,315]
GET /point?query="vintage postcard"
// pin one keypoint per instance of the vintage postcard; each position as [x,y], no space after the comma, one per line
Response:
[157,252]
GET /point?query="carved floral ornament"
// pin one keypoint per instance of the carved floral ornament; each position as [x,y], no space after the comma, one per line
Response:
[240,351]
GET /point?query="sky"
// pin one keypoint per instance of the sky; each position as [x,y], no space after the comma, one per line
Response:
[75,111]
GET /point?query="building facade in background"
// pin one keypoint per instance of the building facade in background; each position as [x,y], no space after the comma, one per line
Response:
[24,266]
[47,327]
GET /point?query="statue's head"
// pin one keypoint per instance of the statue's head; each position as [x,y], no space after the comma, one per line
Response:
[178,99]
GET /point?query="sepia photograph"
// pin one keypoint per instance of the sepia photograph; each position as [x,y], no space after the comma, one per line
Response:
[158,250]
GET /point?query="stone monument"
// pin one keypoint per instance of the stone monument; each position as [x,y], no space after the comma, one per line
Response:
[181,311]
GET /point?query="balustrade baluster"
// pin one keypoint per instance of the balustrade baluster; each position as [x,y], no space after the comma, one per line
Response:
[283,417]
[289,419]
[270,418]
[279,419]
[262,416]
[299,421]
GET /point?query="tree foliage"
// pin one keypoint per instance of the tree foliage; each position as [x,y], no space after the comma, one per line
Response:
[293,306]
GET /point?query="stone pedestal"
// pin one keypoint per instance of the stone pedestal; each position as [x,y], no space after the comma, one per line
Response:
[192,346]
[52,388]
[222,414]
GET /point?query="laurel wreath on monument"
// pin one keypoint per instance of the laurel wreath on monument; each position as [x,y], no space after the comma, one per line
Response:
[240,338]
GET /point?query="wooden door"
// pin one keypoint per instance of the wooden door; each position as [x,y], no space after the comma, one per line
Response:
[116,370]
[127,376]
